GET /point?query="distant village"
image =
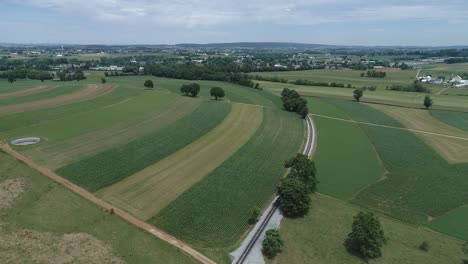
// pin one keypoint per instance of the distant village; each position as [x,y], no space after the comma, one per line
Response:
[456,81]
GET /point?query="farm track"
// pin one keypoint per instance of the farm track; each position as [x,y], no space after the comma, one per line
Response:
[34,90]
[91,91]
[90,197]
[308,150]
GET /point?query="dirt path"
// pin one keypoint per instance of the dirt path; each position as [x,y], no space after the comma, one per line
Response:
[27,91]
[89,196]
[89,92]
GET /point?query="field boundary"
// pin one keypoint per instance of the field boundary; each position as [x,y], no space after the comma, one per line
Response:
[29,91]
[122,214]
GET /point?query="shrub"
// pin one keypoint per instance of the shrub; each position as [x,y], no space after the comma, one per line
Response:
[254,213]
[294,197]
[272,243]
[424,246]
[366,237]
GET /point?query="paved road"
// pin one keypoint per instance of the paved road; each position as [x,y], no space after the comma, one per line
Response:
[89,196]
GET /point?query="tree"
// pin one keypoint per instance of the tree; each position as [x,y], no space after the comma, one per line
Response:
[367,237]
[106,74]
[357,94]
[424,246]
[272,243]
[103,80]
[428,102]
[363,74]
[217,92]
[303,111]
[294,197]
[149,84]
[303,169]
[254,213]
[190,89]
[11,79]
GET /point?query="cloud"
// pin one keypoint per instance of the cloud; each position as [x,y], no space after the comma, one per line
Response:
[205,14]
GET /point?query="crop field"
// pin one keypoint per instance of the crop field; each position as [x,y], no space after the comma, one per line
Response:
[453,149]
[161,111]
[234,93]
[345,144]
[346,77]
[153,188]
[86,93]
[455,119]
[453,223]
[21,86]
[319,237]
[44,222]
[41,95]
[420,184]
[107,167]
[214,212]
[28,91]
[451,68]
[407,99]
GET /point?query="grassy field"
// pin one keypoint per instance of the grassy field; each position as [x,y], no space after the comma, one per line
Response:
[148,191]
[421,184]
[105,168]
[453,223]
[214,212]
[452,149]
[345,77]
[455,119]
[345,144]
[319,237]
[46,222]
[57,91]
[21,84]
[234,93]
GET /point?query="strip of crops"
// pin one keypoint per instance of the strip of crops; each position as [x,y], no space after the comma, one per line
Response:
[215,211]
[41,95]
[420,184]
[456,119]
[108,167]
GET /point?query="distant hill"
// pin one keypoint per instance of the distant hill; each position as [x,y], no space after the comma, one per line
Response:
[254,45]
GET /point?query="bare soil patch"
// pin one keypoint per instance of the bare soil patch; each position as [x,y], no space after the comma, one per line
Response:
[90,91]
[26,246]
[10,190]
[27,91]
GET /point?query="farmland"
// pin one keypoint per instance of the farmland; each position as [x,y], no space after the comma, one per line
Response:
[455,119]
[153,188]
[46,222]
[318,238]
[110,166]
[214,212]
[453,223]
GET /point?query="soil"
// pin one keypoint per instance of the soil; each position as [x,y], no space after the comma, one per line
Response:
[26,92]
[10,190]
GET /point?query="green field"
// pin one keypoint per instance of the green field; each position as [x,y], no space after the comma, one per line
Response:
[420,183]
[21,84]
[61,90]
[345,144]
[319,237]
[46,215]
[453,223]
[345,77]
[456,119]
[214,212]
[110,166]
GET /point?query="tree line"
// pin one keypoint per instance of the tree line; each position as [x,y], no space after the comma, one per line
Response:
[374,74]
[293,102]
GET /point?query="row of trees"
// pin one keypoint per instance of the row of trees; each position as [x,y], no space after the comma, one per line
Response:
[416,87]
[359,93]
[24,73]
[293,102]
[374,74]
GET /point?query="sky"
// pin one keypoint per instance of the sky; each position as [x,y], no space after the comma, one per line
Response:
[337,22]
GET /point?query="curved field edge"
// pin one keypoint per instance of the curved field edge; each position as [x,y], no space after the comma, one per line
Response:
[110,166]
[28,91]
[420,183]
[134,119]
[42,95]
[453,223]
[48,207]
[345,158]
[146,192]
[319,238]
[455,119]
[214,212]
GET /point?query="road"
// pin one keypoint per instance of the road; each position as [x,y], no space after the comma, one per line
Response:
[90,197]
[250,249]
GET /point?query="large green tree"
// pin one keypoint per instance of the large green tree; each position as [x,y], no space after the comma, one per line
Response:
[367,236]
[272,243]
[427,102]
[149,84]
[294,197]
[357,94]
[190,89]
[303,169]
[217,92]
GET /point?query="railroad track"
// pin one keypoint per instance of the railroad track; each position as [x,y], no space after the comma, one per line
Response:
[308,149]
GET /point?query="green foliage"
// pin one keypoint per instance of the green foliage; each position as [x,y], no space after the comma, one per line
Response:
[149,84]
[190,89]
[357,94]
[108,167]
[375,74]
[103,80]
[254,213]
[303,169]
[427,102]
[424,246]
[215,211]
[366,237]
[416,87]
[294,197]
[293,102]
[272,243]
[11,79]
[217,92]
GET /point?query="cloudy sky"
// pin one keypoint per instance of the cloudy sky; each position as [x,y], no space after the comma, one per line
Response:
[348,22]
